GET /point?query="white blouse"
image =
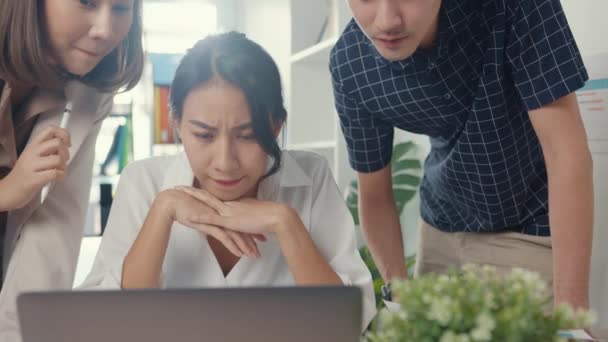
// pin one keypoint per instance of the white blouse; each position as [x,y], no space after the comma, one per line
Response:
[304,182]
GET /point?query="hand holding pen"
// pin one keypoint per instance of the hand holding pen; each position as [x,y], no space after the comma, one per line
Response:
[42,162]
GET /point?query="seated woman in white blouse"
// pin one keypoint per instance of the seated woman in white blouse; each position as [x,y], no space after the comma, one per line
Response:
[233,210]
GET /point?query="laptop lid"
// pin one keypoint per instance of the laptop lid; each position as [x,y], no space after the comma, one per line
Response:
[228,315]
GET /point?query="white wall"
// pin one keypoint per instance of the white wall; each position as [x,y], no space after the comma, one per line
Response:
[266,23]
[589,22]
[253,18]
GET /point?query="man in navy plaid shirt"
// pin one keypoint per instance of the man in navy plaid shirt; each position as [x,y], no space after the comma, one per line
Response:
[508,180]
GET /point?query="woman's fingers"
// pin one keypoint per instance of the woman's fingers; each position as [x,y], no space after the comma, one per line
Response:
[213,219]
[52,162]
[245,243]
[222,236]
[53,146]
[52,175]
[204,197]
[253,245]
[259,237]
[237,243]
[62,134]
[52,132]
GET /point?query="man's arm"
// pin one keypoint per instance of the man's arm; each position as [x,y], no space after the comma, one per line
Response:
[380,222]
[570,174]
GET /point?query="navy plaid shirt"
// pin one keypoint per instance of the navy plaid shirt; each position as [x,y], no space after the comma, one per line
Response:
[493,61]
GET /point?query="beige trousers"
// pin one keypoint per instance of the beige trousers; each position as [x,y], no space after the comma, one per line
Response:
[437,251]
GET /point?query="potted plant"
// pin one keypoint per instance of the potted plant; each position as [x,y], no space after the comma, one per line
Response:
[475,304]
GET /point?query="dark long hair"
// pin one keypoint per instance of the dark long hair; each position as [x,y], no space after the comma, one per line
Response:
[244,64]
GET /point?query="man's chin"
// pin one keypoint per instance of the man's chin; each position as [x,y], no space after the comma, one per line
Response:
[395,55]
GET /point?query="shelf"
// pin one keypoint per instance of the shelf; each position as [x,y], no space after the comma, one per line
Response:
[313,145]
[166,149]
[106,178]
[316,54]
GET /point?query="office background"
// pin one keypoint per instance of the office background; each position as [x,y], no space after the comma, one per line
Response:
[299,35]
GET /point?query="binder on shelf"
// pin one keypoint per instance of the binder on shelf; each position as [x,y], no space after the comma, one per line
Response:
[163,132]
[121,150]
[157,114]
[126,152]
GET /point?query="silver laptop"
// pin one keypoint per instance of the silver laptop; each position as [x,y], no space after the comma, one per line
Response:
[295,314]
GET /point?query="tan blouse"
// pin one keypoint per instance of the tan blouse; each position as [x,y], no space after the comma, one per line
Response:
[16,125]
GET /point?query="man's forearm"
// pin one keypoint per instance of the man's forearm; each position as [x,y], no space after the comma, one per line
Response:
[571,219]
[382,230]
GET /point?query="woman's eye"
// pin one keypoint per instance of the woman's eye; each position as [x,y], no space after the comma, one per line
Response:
[204,136]
[86,3]
[247,137]
[121,9]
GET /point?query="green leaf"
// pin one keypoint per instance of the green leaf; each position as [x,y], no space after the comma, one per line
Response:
[352,199]
[406,164]
[406,179]
[352,193]
[403,195]
[378,283]
[354,211]
[401,149]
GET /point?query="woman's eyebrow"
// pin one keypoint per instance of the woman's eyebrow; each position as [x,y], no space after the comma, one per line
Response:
[202,125]
[243,127]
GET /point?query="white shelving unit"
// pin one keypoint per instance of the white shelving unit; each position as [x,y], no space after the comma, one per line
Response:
[316,54]
[299,35]
[313,123]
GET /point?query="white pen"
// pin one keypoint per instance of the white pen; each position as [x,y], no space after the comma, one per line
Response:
[66,115]
[63,124]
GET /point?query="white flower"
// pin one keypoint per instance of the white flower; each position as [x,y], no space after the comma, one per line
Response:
[489,299]
[485,326]
[588,318]
[426,298]
[440,310]
[565,311]
[450,336]
[480,335]
[402,314]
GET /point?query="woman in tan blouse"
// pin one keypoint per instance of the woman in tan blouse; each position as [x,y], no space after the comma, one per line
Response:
[54,52]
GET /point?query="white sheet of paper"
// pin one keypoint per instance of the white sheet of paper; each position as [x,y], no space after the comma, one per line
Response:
[578,334]
[392,306]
